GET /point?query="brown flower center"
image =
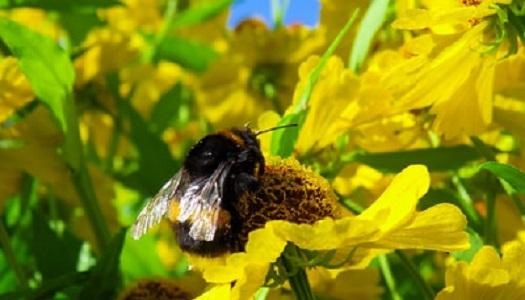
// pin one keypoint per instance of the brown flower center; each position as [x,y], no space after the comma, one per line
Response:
[155,289]
[288,192]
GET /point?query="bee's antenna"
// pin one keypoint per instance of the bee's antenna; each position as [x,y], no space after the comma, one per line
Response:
[274,128]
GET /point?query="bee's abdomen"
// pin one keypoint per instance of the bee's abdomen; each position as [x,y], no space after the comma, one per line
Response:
[220,245]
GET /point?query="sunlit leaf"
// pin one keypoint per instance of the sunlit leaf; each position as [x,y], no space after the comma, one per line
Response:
[195,56]
[50,72]
[283,141]
[513,176]
[475,244]
[372,21]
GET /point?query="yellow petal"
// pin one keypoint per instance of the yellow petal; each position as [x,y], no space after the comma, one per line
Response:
[513,260]
[334,90]
[441,77]
[253,278]
[15,90]
[266,120]
[263,247]
[328,233]
[486,268]
[442,21]
[437,228]
[334,284]
[222,291]
[397,204]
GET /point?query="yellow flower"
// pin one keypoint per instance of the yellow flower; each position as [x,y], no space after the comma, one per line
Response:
[392,222]
[448,16]
[364,106]
[458,83]
[15,90]
[352,177]
[488,276]
[509,108]
[334,91]
[38,20]
[335,283]
[107,50]
[257,73]
[266,120]
[149,83]
[459,80]
[334,15]
[134,15]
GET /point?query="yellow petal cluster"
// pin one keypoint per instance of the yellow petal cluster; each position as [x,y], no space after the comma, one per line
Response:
[15,90]
[488,276]
[392,222]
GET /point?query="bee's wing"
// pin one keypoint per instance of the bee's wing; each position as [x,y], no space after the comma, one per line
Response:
[201,204]
[156,208]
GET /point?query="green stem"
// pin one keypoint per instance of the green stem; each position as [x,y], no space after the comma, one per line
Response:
[279,8]
[390,281]
[169,13]
[466,203]
[113,144]
[425,289]
[84,186]
[298,279]
[11,258]
[351,205]
[80,176]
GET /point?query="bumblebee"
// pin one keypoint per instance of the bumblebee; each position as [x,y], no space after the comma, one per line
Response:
[200,198]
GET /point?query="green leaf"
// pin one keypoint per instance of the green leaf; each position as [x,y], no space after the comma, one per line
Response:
[436,196]
[46,243]
[105,277]
[139,259]
[199,14]
[283,141]
[436,159]
[51,74]
[59,5]
[475,244]
[78,25]
[156,165]
[192,55]
[372,21]
[513,176]
[168,109]
[65,284]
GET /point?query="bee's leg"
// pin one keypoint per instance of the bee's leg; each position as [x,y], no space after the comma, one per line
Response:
[245,182]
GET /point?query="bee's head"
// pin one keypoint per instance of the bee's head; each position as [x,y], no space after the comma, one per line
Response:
[238,146]
[208,153]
